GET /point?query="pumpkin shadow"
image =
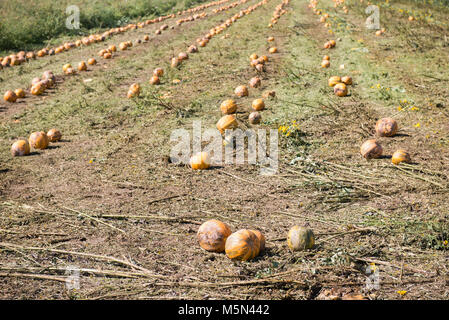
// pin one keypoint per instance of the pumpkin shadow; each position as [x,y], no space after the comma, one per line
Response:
[215,167]
[34,153]
[65,140]
[53,147]
[385,157]
[401,135]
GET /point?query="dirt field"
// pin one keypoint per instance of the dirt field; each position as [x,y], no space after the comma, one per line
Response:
[107,201]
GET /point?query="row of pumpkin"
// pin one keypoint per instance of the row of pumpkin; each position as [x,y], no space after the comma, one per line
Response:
[385,127]
[22,56]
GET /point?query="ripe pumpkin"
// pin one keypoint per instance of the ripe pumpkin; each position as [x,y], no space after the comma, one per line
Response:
[112,48]
[300,238]
[135,87]
[273,50]
[258,104]
[66,66]
[123,46]
[228,106]
[183,56]
[54,135]
[91,61]
[270,39]
[155,80]
[19,93]
[255,82]
[260,67]
[37,89]
[347,80]
[175,62]
[241,91]
[325,64]
[38,140]
[400,156]
[158,72]
[254,117]
[20,148]
[10,96]
[334,81]
[253,56]
[212,235]
[82,66]
[227,122]
[200,161]
[262,240]
[340,90]
[386,127]
[107,55]
[371,149]
[192,49]
[242,245]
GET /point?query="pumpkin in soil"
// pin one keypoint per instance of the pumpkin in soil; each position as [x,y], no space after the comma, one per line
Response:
[20,148]
[241,91]
[371,149]
[175,62]
[340,90]
[192,49]
[66,66]
[300,238]
[326,58]
[258,105]
[37,89]
[228,106]
[386,127]
[242,245]
[10,96]
[334,81]
[253,56]
[227,122]
[54,135]
[19,93]
[212,235]
[255,82]
[107,55]
[82,66]
[183,56]
[123,46]
[38,140]
[325,64]
[200,161]
[155,80]
[91,61]
[273,50]
[400,156]
[260,67]
[346,80]
[135,87]
[270,39]
[112,48]
[158,72]
[254,117]
[262,240]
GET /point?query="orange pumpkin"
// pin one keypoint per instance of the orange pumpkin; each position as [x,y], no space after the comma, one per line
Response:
[107,55]
[20,148]
[155,80]
[200,161]
[228,106]
[340,90]
[38,140]
[192,49]
[270,39]
[400,156]
[66,67]
[19,93]
[371,149]
[268,94]
[325,64]
[91,61]
[273,50]
[37,89]
[242,245]
[112,48]
[334,81]
[54,135]
[300,238]
[158,72]
[227,122]
[82,66]
[255,82]
[262,241]
[183,56]
[175,62]
[212,235]
[386,127]
[258,104]
[10,96]
[346,80]
[241,91]
[253,56]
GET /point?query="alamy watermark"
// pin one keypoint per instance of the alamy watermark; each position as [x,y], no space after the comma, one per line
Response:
[373,277]
[373,21]
[72,281]
[258,150]
[73,20]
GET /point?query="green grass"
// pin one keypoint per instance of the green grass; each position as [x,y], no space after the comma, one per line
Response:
[25,25]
